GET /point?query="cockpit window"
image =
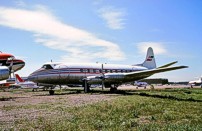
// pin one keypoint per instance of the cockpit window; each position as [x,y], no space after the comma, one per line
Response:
[11,58]
[47,66]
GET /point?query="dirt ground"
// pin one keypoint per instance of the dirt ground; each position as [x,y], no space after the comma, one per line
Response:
[20,105]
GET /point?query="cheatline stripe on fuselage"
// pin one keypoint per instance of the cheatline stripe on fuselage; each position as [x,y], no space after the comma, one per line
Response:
[76,71]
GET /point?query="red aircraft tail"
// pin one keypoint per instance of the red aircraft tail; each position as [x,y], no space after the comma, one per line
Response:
[18,78]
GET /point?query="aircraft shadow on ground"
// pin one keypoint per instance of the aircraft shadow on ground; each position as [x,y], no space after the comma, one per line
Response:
[10,98]
[80,91]
[168,97]
[121,92]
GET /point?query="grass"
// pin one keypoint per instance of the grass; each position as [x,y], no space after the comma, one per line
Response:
[170,109]
[176,94]
[139,113]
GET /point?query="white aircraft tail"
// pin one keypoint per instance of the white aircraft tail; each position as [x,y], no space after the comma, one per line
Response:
[150,59]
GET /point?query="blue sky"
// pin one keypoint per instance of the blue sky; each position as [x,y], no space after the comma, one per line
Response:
[104,31]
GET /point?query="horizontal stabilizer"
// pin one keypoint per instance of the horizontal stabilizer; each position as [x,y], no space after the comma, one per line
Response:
[169,64]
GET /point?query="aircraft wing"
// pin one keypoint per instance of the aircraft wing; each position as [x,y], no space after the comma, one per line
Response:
[147,73]
[169,64]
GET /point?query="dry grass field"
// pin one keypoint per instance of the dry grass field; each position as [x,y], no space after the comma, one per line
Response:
[99,110]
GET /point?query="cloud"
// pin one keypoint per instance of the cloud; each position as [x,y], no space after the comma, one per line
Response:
[51,32]
[97,2]
[113,17]
[20,3]
[157,47]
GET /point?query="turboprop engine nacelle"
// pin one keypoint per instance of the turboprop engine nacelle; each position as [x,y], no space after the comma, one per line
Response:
[4,73]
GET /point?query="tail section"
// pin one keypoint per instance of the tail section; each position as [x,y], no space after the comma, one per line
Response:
[150,59]
[18,78]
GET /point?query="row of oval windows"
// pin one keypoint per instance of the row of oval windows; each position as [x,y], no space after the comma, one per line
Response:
[104,71]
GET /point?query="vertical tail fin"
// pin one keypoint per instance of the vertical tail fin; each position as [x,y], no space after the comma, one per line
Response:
[150,59]
[18,78]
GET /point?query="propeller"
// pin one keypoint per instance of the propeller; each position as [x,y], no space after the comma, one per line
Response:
[102,77]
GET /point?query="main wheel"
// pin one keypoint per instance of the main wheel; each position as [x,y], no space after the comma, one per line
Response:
[87,87]
[51,92]
[113,90]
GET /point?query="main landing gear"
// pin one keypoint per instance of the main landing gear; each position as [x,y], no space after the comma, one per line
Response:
[86,86]
[113,88]
[51,92]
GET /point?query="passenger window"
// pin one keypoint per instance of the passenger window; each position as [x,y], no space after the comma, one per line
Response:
[94,70]
[85,70]
[81,70]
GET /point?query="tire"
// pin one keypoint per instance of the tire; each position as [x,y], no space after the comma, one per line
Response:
[113,90]
[51,92]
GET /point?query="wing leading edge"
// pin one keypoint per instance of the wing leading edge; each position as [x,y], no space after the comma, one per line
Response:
[169,64]
[147,73]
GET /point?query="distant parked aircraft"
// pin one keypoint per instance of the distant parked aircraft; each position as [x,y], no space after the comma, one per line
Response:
[24,84]
[140,84]
[196,82]
[109,75]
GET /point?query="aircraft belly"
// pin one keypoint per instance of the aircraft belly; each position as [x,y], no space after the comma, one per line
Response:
[70,79]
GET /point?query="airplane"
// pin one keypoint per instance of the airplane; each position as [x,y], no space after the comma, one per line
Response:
[196,82]
[5,85]
[140,84]
[109,75]
[19,82]
[9,64]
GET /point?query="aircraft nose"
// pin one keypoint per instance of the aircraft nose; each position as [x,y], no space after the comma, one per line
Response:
[17,64]
[23,63]
[32,77]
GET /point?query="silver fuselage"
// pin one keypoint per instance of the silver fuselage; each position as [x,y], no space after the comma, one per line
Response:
[64,74]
